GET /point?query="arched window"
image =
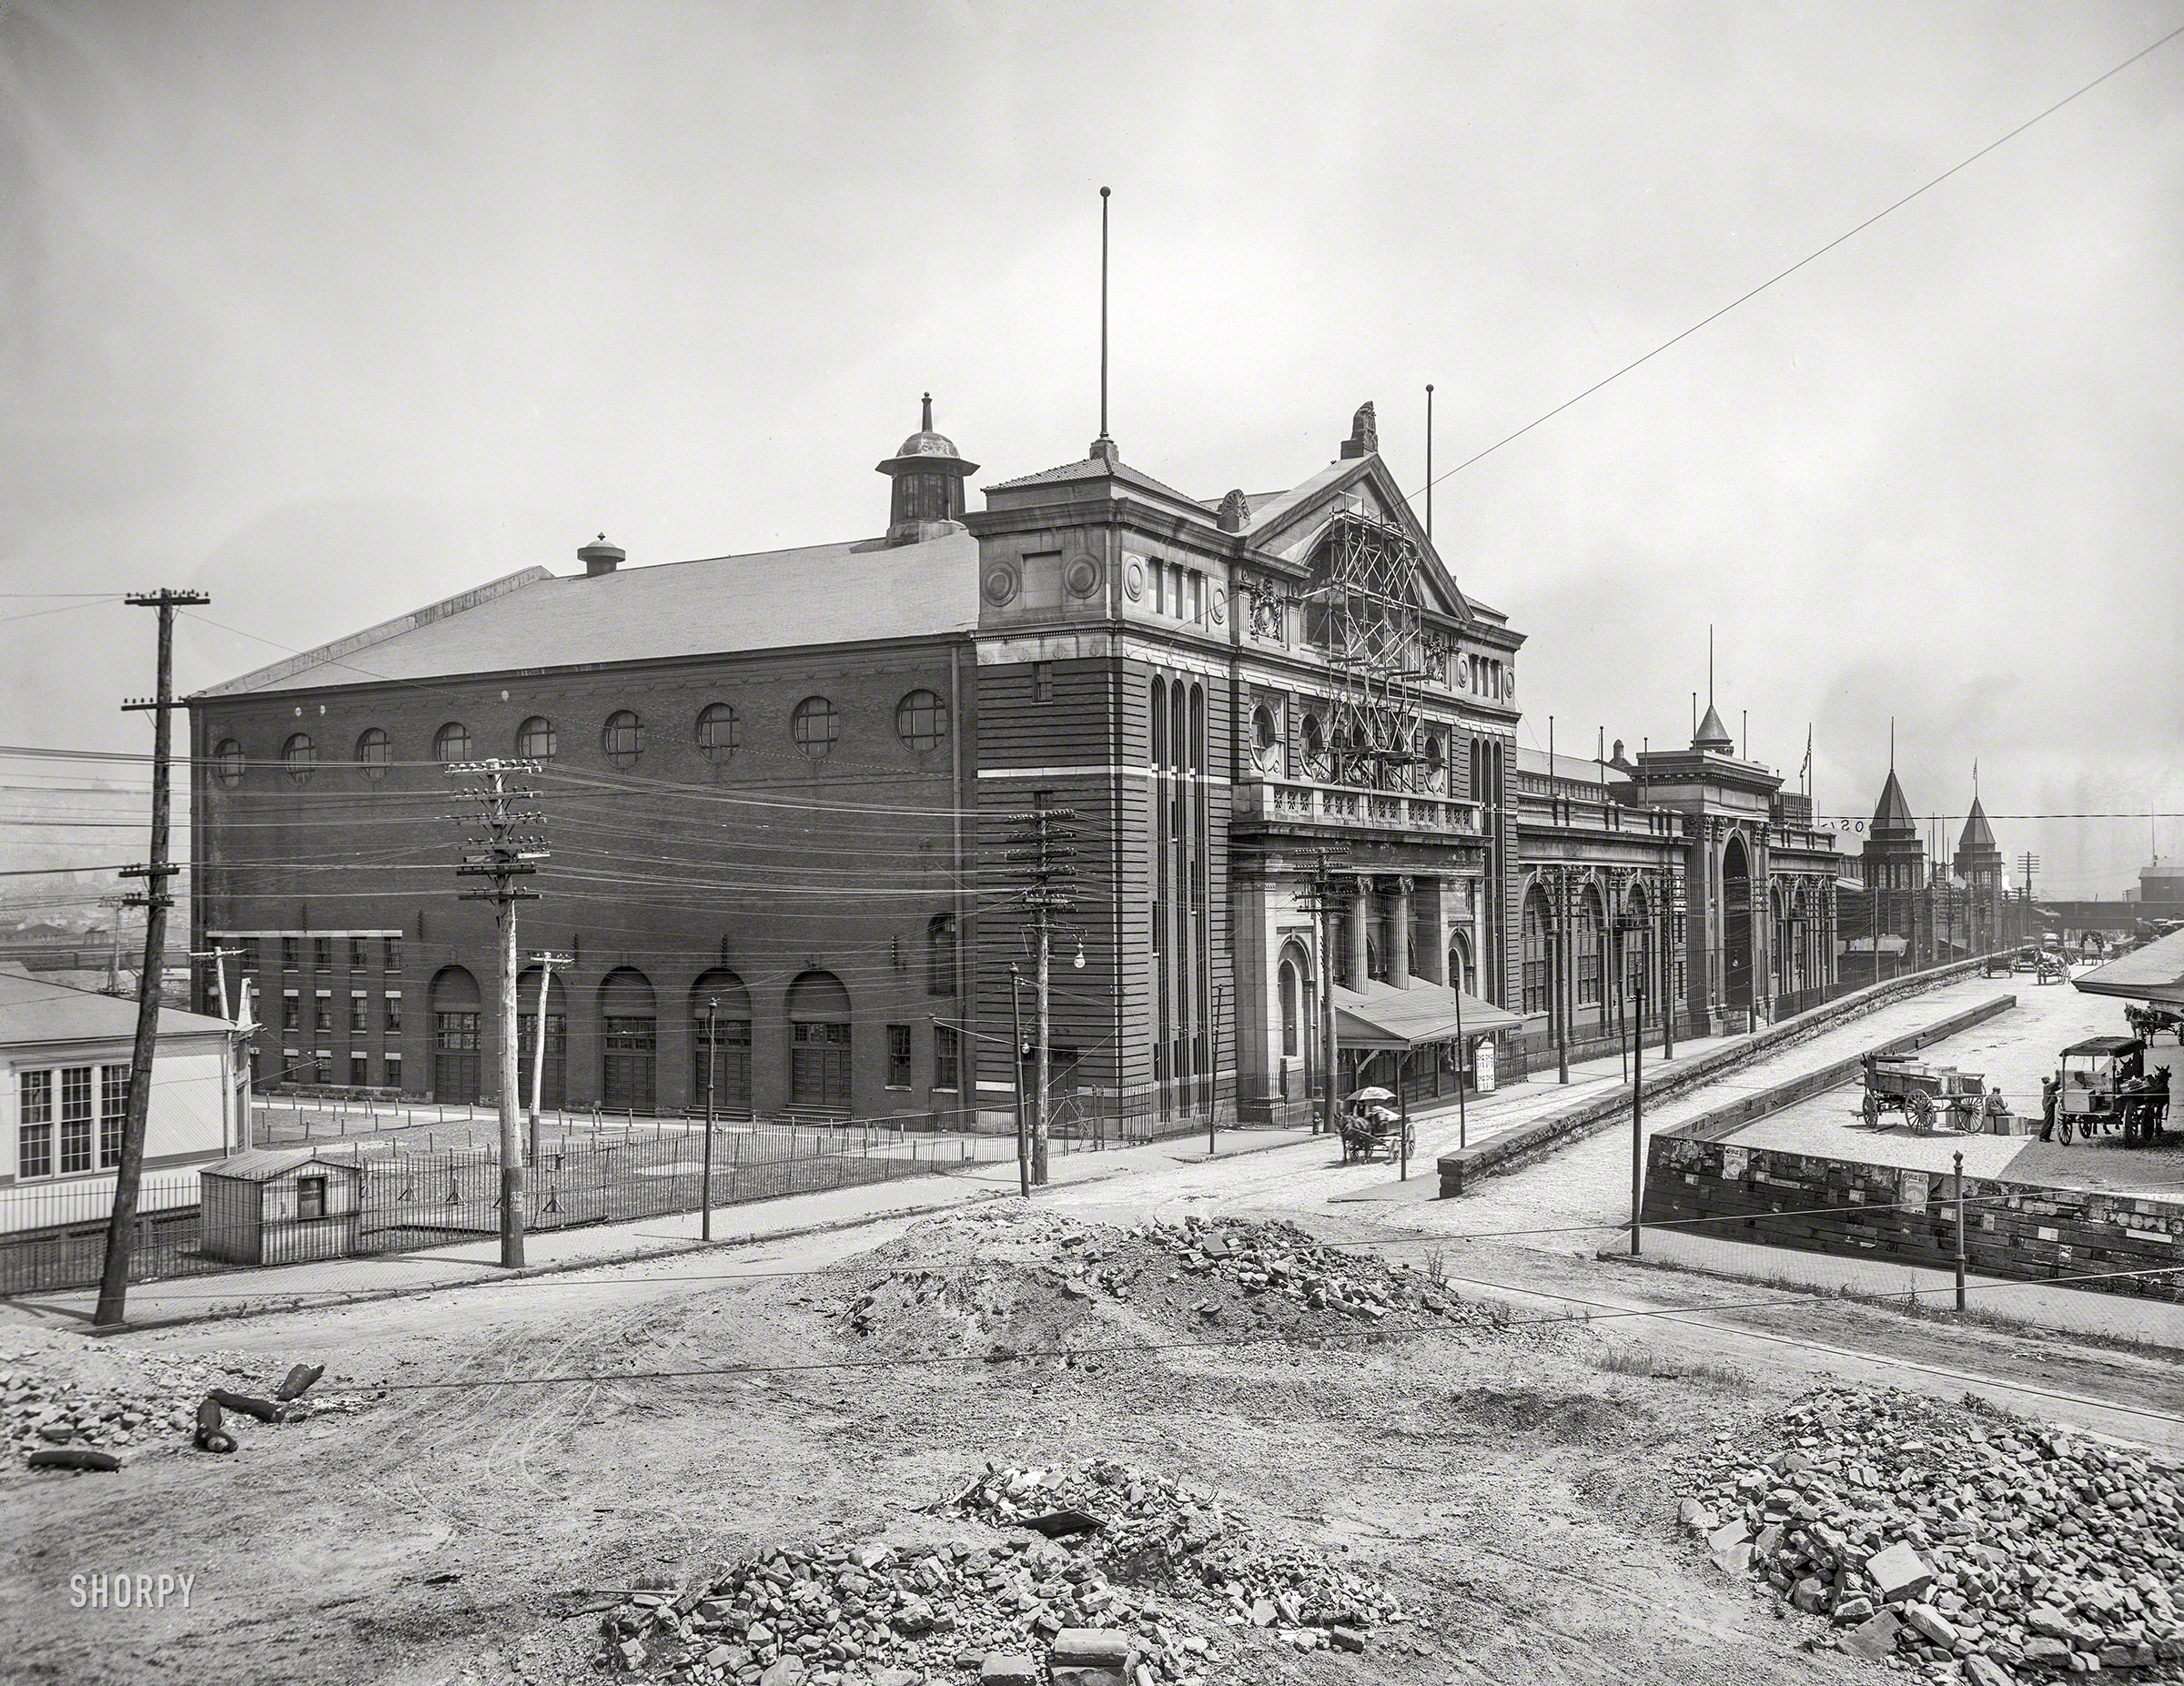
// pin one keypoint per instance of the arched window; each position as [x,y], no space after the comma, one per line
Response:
[720,734]
[1460,974]
[940,955]
[1536,973]
[227,763]
[816,727]
[535,739]
[300,756]
[1292,1027]
[622,738]
[550,1074]
[921,720]
[451,742]
[371,754]
[1590,938]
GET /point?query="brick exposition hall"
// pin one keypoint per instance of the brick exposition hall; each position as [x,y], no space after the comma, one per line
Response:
[1279,739]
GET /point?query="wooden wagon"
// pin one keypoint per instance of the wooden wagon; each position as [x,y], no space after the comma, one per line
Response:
[1927,1095]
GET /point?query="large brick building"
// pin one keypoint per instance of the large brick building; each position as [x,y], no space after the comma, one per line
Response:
[776,786]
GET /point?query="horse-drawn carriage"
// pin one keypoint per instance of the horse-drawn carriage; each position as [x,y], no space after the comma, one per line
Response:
[2051,967]
[1371,1127]
[1927,1095]
[2115,1083]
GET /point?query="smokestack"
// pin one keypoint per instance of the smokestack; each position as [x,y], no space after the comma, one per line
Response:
[599,557]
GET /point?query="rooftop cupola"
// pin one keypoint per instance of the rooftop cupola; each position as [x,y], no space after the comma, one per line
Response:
[928,475]
[1712,734]
[599,556]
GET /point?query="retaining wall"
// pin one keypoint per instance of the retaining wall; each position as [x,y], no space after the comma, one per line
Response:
[1854,1210]
[1528,1142]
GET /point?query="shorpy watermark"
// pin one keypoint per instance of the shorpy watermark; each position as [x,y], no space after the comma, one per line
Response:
[121,1589]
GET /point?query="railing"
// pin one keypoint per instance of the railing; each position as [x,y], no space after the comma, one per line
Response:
[1285,799]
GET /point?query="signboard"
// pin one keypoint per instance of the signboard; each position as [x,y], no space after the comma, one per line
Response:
[1482,1063]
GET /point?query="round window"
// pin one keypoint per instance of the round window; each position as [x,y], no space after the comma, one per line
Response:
[453,742]
[300,756]
[624,738]
[371,754]
[816,727]
[720,734]
[921,720]
[227,763]
[1263,735]
[535,739]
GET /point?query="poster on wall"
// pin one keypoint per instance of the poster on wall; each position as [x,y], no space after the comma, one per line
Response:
[1482,1062]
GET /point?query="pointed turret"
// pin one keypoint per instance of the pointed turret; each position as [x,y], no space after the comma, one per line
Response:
[1978,835]
[1712,734]
[1892,815]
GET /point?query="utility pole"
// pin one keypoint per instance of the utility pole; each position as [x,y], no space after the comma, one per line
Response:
[1638,1105]
[237,1033]
[713,1083]
[1042,848]
[504,854]
[1319,901]
[546,962]
[128,1177]
[1015,1081]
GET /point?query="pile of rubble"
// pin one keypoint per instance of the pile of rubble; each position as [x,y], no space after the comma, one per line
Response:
[1101,1567]
[90,1407]
[1958,1541]
[1275,1259]
[1140,1527]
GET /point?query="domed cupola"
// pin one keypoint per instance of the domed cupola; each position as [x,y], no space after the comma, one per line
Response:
[928,475]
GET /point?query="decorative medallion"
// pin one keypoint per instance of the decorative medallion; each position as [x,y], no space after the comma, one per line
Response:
[1082,576]
[1002,583]
[1133,579]
[1220,607]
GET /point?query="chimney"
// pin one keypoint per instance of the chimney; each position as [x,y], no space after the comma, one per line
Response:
[599,557]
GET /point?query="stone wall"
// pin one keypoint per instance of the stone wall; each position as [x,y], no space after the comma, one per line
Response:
[1854,1209]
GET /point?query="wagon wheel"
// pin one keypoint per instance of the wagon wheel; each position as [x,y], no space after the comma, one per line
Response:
[1870,1108]
[1920,1106]
[2064,1127]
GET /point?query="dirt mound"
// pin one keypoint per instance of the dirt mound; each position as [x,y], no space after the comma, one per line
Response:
[1955,1537]
[1009,1283]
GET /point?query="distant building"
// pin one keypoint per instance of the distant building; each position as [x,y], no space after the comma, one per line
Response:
[64,1059]
[2161,880]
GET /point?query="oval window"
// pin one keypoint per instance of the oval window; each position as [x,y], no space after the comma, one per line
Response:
[453,742]
[227,763]
[535,740]
[300,756]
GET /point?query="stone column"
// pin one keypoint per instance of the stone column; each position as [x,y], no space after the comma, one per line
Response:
[1360,913]
[1399,932]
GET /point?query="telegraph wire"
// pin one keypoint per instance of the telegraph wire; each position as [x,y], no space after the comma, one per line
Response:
[1783,275]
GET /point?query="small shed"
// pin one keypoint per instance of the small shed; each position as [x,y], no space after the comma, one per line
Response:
[278,1206]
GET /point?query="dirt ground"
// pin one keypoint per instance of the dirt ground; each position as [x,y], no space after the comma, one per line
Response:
[1514,1483]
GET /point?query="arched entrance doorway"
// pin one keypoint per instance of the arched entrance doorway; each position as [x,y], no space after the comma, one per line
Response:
[1462,975]
[819,1045]
[721,994]
[455,1036]
[1737,924]
[628,1042]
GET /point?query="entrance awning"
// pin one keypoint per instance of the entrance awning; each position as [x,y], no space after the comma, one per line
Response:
[1385,1017]
[2155,972]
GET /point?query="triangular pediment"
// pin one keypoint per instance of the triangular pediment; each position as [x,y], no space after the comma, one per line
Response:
[1291,524]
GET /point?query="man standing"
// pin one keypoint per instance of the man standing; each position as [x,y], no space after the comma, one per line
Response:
[2050,1093]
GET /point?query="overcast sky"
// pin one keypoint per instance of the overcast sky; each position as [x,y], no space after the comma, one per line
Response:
[333,310]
